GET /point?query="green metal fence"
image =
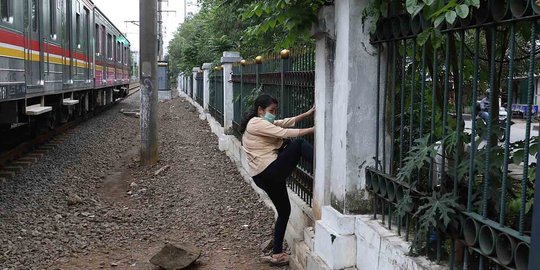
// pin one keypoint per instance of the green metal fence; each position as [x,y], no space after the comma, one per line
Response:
[200,89]
[190,84]
[459,186]
[290,78]
[216,94]
[186,84]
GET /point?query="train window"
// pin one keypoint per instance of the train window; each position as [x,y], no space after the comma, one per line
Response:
[52,18]
[118,52]
[34,16]
[113,48]
[86,40]
[78,30]
[6,10]
[97,44]
[109,46]
[102,39]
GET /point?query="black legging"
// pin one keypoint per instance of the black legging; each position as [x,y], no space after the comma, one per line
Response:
[273,181]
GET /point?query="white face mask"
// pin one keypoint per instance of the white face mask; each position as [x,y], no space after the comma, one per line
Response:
[269,117]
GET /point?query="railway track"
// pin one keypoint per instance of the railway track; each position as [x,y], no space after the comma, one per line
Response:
[26,153]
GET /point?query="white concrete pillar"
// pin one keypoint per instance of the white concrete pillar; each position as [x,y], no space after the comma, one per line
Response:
[195,70]
[346,118]
[228,59]
[206,82]
[183,82]
[188,82]
[324,33]
[354,108]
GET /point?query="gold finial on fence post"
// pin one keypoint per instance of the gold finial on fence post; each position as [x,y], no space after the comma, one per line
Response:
[258,59]
[285,54]
[243,62]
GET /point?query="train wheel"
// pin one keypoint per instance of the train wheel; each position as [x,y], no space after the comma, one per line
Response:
[51,120]
[80,108]
[64,114]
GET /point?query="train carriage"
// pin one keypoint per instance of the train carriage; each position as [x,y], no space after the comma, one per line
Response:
[58,59]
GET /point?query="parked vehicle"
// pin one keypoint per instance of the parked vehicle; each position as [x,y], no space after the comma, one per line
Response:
[482,114]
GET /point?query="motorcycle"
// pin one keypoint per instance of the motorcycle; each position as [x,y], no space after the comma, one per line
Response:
[483,118]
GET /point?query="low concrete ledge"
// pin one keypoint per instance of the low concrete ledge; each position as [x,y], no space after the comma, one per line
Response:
[382,249]
[342,224]
[338,251]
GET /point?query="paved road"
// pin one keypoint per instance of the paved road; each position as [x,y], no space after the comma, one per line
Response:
[517,131]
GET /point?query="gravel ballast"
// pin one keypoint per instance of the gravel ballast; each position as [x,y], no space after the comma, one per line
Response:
[88,204]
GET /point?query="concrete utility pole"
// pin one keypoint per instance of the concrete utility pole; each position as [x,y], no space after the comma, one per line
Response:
[149,92]
[160,30]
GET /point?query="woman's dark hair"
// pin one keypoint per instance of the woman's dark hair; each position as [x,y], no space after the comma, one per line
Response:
[262,101]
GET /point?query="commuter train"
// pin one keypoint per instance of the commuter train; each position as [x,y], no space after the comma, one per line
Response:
[59,59]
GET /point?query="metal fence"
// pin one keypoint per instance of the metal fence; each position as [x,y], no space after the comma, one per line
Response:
[186,84]
[216,94]
[459,186]
[200,88]
[290,78]
[190,85]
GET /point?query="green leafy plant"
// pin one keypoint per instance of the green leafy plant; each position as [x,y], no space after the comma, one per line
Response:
[437,211]
[405,205]
[249,100]
[420,155]
[295,17]
[437,12]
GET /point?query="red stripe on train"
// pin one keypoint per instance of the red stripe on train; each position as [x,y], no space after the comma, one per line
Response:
[18,40]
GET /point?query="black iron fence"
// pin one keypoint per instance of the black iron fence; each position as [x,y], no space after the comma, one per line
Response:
[290,78]
[190,85]
[200,88]
[216,94]
[185,84]
[458,185]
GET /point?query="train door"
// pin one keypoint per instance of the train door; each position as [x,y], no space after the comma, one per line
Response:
[34,56]
[68,43]
[87,44]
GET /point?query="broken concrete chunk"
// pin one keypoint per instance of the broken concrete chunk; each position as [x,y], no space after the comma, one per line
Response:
[267,245]
[162,169]
[73,199]
[135,113]
[176,257]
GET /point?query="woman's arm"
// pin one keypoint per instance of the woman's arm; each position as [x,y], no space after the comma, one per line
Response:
[303,116]
[306,131]
[265,128]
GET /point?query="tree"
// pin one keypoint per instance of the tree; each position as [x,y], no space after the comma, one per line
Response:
[249,27]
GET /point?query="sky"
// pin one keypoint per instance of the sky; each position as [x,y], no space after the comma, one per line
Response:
[119,11]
